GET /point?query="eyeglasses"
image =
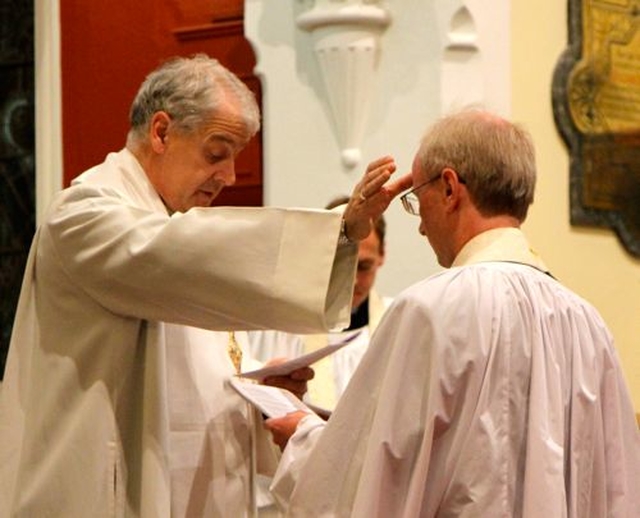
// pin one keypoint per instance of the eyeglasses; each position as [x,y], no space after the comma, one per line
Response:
[410,201]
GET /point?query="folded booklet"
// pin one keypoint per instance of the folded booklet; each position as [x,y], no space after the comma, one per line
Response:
[271,401]
[287,367]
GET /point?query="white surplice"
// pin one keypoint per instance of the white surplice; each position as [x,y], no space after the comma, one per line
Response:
[112,405]
[488,390]
[331,374]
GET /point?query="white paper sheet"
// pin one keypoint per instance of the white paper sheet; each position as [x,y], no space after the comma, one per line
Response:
[271,401]
[287,367]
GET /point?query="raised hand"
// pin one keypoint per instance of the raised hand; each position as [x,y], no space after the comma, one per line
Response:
[371,197]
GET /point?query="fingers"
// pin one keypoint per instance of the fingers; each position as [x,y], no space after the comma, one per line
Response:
[302,374]
[275,361]
[374,164]
[282,428]
[399,185]
[377,174]
[295,382]
[370,197]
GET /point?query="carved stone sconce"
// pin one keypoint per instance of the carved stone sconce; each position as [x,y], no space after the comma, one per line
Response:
[346,35]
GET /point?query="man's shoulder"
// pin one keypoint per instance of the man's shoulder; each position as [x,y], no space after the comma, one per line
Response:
[118,179]
[467,284]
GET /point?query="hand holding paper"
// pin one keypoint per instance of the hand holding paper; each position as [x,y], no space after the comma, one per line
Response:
[271,401]
[287,367]
[295,381]
[282,428]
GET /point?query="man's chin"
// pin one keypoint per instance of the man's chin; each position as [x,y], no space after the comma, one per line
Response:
[206,200]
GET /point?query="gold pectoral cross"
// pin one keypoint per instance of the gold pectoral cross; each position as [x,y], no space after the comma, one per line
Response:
[234,351]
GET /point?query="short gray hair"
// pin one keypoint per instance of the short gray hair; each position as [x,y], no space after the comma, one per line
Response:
[189,90]
[496,159]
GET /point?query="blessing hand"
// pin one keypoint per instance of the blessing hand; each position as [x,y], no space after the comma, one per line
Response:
[371,197]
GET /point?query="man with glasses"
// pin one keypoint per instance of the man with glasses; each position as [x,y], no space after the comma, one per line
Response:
[489,389]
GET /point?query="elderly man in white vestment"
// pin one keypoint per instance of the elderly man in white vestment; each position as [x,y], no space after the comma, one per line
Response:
[115,399]
[489,389]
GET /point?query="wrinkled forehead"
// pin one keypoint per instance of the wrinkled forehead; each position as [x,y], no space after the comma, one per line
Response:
[227,125]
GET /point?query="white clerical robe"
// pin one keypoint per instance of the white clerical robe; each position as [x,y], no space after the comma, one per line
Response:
[331,374]
[113,405]
[488,390]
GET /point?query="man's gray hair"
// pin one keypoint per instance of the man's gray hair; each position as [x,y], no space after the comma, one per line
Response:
[189,90]
[496,159]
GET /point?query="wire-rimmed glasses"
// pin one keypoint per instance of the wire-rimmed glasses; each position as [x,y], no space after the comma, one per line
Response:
[410,200]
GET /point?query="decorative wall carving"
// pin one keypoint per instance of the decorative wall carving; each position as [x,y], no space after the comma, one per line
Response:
[596,102]
[346,36]
[462,82]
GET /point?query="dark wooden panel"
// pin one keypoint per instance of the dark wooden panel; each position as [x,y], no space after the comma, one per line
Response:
[17,157]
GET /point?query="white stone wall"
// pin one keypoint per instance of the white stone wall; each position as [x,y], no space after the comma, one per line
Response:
[423,70]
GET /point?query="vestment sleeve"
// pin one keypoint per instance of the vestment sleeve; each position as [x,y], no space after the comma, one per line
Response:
[216,268]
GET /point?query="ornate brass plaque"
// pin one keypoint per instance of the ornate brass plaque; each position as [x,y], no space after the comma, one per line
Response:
[596,104]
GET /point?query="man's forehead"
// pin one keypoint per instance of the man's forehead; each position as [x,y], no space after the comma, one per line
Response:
[227,131]
[416,167]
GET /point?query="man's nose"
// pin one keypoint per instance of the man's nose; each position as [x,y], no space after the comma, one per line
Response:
[227,172]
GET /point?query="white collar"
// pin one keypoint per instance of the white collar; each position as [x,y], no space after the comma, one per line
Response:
[499,244]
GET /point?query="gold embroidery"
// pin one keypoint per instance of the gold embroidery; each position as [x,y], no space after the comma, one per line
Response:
[234,351]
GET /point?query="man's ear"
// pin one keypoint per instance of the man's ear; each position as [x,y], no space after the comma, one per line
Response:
[158,131]
[452,189]
[451,181]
